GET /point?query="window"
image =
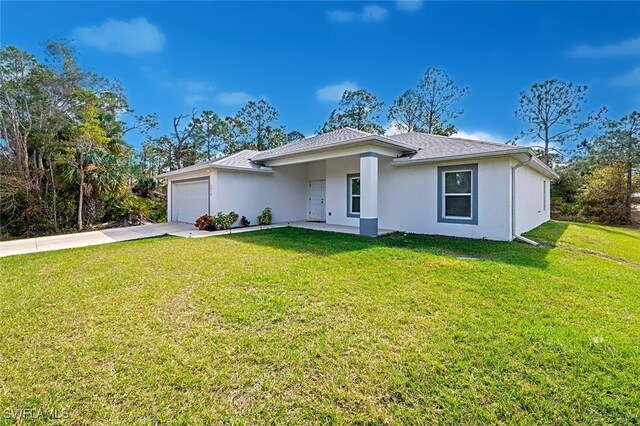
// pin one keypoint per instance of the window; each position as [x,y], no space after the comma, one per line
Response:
[353,195]
[544,195]
[458,194]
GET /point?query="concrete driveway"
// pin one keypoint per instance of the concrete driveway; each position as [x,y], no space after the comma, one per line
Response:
[92,238]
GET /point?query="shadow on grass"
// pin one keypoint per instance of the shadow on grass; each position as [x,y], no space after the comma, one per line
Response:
[608,230]
[322,243]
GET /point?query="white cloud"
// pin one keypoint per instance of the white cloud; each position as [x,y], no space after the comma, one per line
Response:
[374,14]
[367,14]
[233,98]
[630,79]
[479,135]
[132,37]
[195,85]
[193,92]
[624,48]
[409,5]
[342,15]
[334,92]
[393,128]
[193,100]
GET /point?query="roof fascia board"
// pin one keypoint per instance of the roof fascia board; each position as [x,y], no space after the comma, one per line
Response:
[346,151]
[539,165]
[375,138]
[206,167]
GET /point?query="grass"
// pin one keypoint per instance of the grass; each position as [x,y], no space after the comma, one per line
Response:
[296,326]
[622,244]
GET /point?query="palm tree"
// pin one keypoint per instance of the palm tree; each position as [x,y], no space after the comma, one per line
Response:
[96,172]
[104,174]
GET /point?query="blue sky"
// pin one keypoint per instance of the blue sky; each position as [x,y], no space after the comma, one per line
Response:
[173,57]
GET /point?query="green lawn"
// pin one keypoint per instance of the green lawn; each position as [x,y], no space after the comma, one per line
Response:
[296,326]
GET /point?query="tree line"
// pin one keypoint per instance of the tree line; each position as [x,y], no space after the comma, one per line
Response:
[65,162]
[198,137]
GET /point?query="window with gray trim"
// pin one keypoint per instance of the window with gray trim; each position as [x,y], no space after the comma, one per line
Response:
[353,195]
[458,194]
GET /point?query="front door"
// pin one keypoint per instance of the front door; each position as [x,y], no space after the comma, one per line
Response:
[317,192]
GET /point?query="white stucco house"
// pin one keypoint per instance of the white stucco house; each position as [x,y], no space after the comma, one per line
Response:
[412,182]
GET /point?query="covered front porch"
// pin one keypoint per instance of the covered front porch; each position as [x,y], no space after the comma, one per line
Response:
[323,226]
[343,195]
[342,171]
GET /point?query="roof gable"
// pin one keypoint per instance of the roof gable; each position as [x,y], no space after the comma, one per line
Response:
[313,142]
[238,161]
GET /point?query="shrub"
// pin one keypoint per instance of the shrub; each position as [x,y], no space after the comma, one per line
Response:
[244,221]
[145,187]
[569,209]
[204,222]
[224,221]
[565,189]
[604,195]
[265,217]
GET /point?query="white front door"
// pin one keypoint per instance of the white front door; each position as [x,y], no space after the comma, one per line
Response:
[317,192]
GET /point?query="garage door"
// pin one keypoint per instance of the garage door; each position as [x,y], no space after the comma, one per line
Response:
[189,200]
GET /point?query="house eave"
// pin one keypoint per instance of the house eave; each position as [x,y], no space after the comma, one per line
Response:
[375,139]
[206,167]
[540,166]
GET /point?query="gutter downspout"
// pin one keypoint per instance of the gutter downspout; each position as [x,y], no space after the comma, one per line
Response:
[513,204]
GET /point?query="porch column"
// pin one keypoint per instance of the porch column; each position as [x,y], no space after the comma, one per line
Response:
[369,194]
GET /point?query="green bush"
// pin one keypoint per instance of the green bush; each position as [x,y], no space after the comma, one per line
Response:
[127,206]
[265,217]
[569,209]
[604,195]
[565,189]
[224,221]
[244,221]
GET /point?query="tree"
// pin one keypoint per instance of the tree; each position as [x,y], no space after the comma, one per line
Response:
[553,109]
[142,123]
[358,109]
[604,194]
[86,136]
[234,135]
[185,147]
[104,174]
[619,143]
[294,135]
[440,93]
[407,112]
[258,119]
[209,130]
[63,155]
[16,95]
[159,153]
[276,136]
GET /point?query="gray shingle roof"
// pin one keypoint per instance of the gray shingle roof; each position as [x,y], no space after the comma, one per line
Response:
[317,141]
[434,146]
[427,146]
[239,160]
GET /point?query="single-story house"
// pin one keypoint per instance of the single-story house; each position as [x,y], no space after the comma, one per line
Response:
[412,182]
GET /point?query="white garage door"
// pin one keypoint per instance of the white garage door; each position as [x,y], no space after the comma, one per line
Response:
[189,200]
